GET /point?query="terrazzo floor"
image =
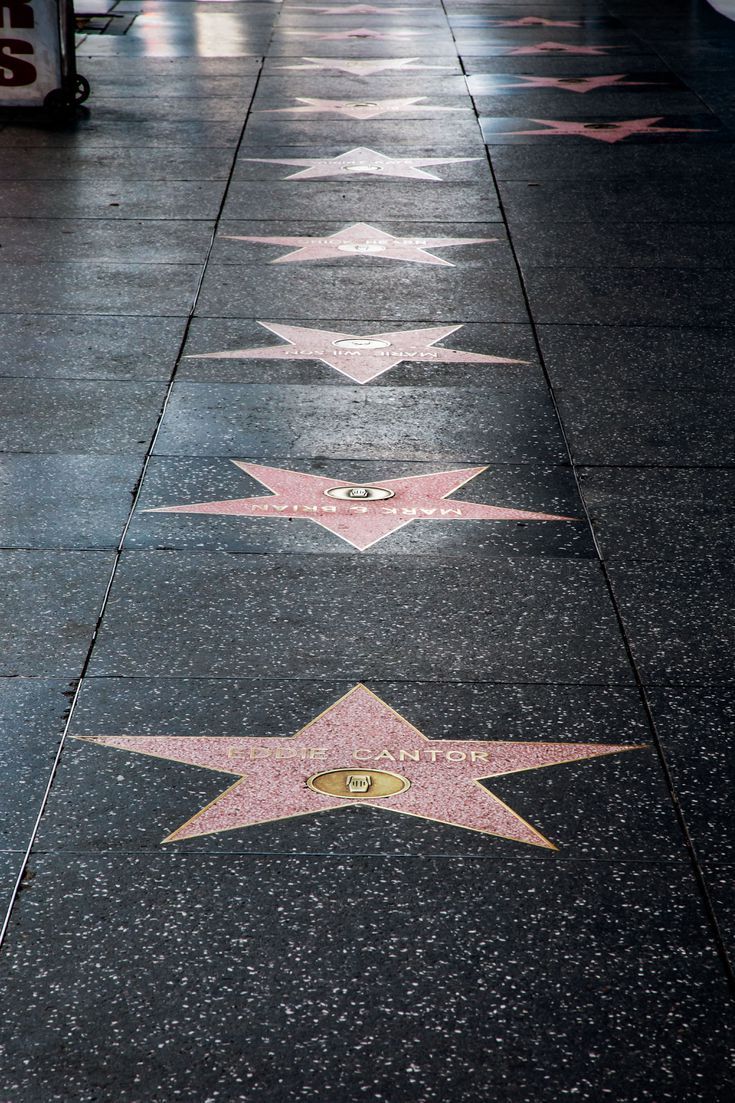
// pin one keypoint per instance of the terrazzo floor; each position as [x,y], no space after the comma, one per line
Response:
[366,680]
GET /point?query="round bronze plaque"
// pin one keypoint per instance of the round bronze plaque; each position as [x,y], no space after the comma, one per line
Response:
[360,493]
[352,783]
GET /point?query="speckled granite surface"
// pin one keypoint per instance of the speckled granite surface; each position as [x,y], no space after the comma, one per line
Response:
[429,801]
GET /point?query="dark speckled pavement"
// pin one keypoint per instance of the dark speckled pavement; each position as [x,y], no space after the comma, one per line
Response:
[366,682]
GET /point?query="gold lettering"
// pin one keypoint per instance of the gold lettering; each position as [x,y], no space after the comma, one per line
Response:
[433,754]
[317,752]
[479,756]
[385,754]
[260,752]
[412,756]
[456,756]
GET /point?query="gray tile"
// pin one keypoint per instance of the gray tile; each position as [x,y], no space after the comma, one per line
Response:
[458,137]
[602,164]
[629,296]
[721,885]
[65,501]
[507,421]
[661,197]
[48,347]
[45,240]
[50,603]
[602,244]
[98,288]
[616,359]
[362,201]
[87,197]
[10,865]
[695,726]
[661,513]
[70,415]
[212,966]
[540,620]
[116,163]
[32,717]
[488,294]
[679,617]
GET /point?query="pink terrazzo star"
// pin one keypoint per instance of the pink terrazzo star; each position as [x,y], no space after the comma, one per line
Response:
[537,21]
[361,162]
[357,109]
[580,84]
[561,48]
[358,32]
[354,9]
[360,522]
[361,358]
[606,132]
[361,240]
[361,67]
[360,733]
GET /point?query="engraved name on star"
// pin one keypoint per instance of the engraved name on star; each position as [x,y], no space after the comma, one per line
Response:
[578,84]
[364,241]
[437,779]
[606,131]
[360,521]
[358,109]
[358,32]
[361,67]
[359,357]
[361,162]
[560,48]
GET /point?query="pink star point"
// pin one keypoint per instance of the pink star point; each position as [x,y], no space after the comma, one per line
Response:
[361,358]
[359,732]
[359,522]
[362,240]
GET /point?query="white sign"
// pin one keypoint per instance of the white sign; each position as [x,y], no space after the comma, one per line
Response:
[30,51]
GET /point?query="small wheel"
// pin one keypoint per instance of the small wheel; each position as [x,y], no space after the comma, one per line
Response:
[82,89]
[59,104]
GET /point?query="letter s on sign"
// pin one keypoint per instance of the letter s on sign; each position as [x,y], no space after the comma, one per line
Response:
[15,72]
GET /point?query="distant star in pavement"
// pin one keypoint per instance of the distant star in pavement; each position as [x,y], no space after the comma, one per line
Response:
[580,84]
[357,109]
[359,520]
[361,162]
[359,357]
[537,21]
[362,240]
[354,9]
[561,48]
[607,131]
[358,32]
